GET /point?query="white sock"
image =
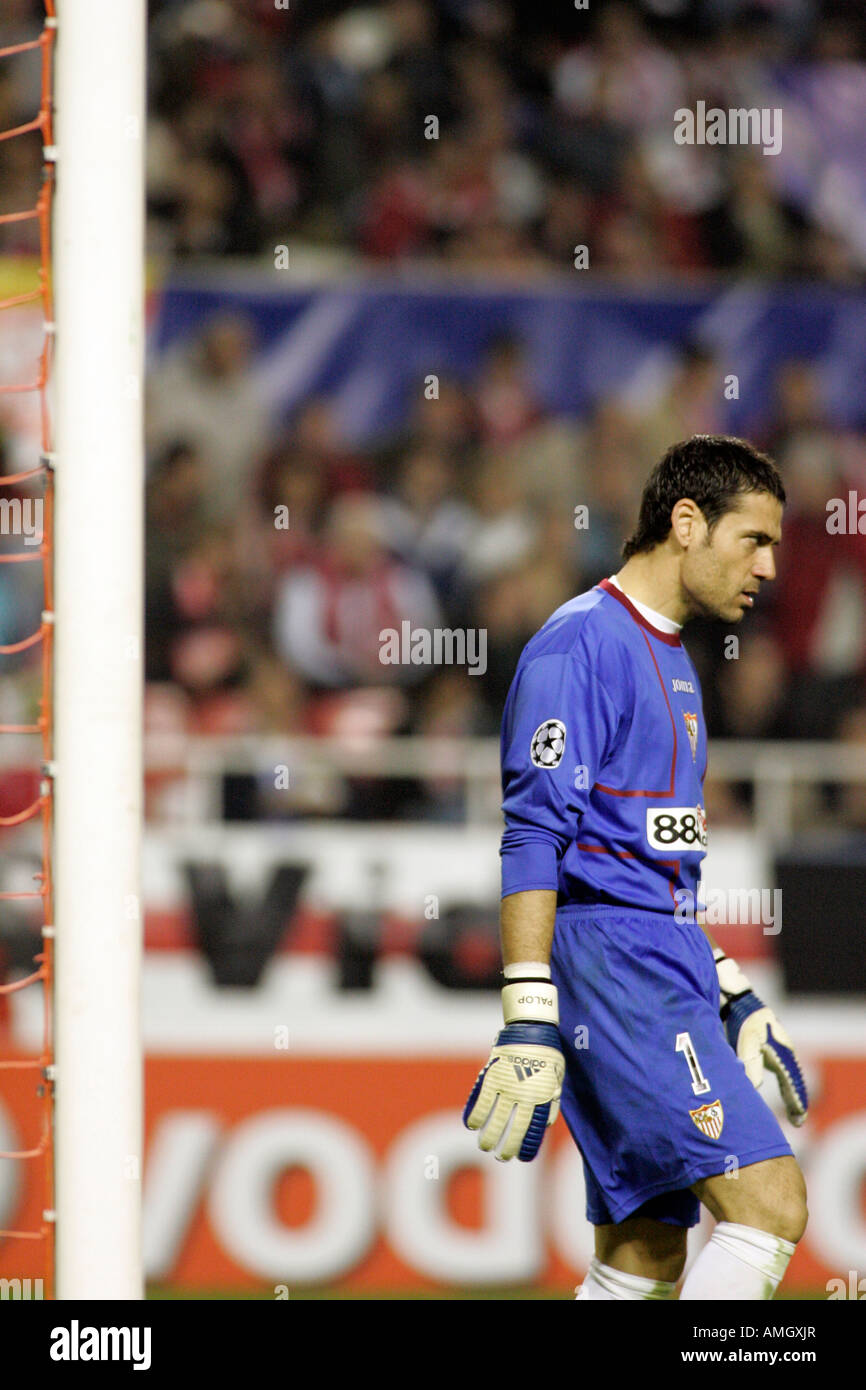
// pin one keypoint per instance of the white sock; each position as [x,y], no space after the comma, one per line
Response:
[738,1262]
[604,1283]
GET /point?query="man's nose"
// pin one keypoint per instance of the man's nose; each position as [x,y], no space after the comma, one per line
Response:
[765,567]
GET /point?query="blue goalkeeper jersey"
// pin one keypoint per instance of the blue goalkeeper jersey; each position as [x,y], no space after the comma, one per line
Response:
[603,761]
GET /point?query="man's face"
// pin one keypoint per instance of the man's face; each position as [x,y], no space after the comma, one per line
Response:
[722,572]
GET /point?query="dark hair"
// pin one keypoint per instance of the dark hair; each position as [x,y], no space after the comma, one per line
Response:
[713,470]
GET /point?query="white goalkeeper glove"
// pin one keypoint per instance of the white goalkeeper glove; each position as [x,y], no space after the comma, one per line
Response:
[516,1095]
[758,1038]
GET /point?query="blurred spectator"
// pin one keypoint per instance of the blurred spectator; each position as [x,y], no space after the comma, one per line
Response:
[317,436]
[610,453]
[621,75]
[283,525]
[450,706]
[750,695]
[507,404]
[204,393]
[502,610]
[504,532]
[448,421]
[798,406]
[428,524]
[330,613]
[820,600]
[753,229]
[690,402]
[200,627]
[175,520]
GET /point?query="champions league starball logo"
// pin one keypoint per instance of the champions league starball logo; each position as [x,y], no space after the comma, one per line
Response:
[548,744]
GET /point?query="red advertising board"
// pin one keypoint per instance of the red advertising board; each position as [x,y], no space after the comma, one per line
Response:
[354,1173]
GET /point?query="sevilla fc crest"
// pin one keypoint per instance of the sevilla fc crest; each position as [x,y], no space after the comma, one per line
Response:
[709,1119]
[692,730]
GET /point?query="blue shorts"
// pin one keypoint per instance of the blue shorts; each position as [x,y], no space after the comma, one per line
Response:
[654,1095]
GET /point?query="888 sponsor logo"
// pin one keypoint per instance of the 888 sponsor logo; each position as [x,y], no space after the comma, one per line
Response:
[681,828]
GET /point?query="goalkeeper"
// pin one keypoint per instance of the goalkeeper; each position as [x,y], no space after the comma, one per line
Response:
[617,1005]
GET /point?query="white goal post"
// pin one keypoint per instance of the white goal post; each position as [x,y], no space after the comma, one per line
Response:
[98,258]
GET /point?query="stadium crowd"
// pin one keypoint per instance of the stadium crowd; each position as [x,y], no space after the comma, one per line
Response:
[470,518]
[269,124]
[486,134]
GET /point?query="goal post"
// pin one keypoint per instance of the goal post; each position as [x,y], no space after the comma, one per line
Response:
[99,388]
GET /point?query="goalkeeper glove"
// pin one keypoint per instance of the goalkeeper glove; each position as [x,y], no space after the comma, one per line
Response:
[758,1038]
[522,1080]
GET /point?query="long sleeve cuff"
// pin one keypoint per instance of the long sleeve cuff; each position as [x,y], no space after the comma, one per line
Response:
[530,860]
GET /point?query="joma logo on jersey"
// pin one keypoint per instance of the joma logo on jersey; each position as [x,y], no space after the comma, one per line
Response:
[709,1119]
[683,688]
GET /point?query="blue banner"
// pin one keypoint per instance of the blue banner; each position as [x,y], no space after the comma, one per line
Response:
[368,345]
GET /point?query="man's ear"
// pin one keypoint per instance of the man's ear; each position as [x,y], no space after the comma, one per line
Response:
[687,521]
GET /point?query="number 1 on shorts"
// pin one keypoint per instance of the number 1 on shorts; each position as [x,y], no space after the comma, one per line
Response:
[700,1084]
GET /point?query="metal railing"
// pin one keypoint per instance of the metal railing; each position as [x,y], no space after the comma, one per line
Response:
[198,765]
[774,769]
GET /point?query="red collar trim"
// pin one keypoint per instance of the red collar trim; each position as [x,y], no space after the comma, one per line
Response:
[671,639]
